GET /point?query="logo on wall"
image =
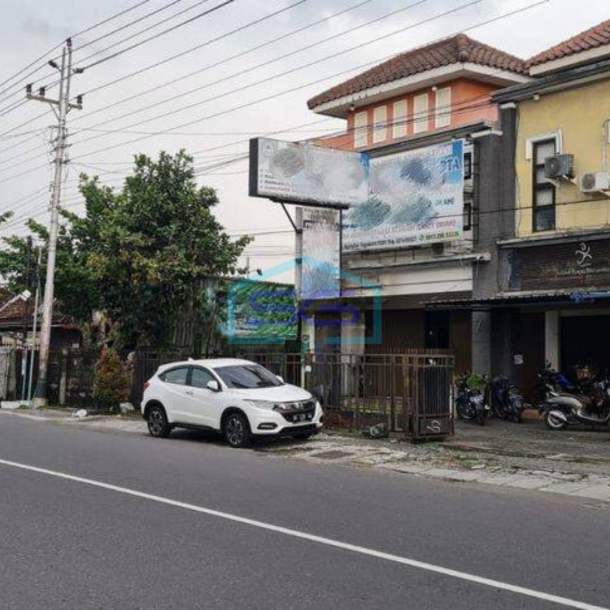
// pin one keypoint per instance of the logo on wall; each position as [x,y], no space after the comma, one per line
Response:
[434,426]
[584,258]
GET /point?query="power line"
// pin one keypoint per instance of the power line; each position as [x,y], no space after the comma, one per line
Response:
[294,88]
[124,27]
[284,56]
[282,74]
[192,49]
[38,59]
[291,90]
[236,56]
[103,22]
[159,34]
[461,107]
[111,18]
[259,65]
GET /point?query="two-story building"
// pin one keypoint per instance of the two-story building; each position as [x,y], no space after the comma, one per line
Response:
[549,298]
[433,95]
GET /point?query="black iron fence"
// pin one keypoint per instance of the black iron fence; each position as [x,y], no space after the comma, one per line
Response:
[409,392]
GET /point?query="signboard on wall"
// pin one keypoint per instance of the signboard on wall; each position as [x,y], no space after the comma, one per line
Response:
[299,172]
[583,264]
[415,197]
[321,241]
[406,199]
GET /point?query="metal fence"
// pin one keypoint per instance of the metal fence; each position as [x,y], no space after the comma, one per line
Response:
[409,392]
[70,376]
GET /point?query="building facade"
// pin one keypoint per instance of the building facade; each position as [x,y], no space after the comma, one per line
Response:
[545,296]
[432,95]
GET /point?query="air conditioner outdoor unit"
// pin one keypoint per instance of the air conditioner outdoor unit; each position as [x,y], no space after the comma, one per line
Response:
[559,166]
[595,182]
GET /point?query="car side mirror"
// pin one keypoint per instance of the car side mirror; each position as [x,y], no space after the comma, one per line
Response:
[213,385]
[280,378]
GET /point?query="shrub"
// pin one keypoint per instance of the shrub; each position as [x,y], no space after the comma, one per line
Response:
[112,379]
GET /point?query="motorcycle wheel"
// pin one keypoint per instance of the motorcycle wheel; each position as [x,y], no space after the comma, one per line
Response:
[517,417]
[462,411]
[554,423]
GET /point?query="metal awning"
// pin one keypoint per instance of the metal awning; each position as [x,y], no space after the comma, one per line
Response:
[515,299]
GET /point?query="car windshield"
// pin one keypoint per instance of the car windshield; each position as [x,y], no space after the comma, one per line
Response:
[247,377]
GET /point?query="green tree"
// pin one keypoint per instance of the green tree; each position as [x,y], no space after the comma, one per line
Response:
[158,241]
[140,255]
[75,287]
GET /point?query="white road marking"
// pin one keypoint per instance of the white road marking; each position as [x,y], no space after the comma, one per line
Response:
[413,563]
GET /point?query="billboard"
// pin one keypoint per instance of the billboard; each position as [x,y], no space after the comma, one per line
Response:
[300,172]
[415,197]
[321,241]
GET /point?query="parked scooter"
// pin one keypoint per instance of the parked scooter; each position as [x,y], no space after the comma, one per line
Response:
[561,409]
[471,401]
[506,401]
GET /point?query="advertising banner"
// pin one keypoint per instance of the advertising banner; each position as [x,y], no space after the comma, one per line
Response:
[321,241]
[299,172]
[416,197]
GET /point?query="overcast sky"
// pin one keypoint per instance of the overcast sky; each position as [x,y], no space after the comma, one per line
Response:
[29,28]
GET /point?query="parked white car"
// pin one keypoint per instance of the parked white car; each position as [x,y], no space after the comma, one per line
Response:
[239,398]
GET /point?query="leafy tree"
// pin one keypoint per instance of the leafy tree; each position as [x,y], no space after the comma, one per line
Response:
[75,287]
[158,241]
[140,255]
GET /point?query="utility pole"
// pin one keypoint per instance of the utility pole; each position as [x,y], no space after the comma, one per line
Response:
[34,327]
[28,287]
[61,106]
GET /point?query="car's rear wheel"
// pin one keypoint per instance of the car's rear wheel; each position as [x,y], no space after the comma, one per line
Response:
[237,430]
[158,426]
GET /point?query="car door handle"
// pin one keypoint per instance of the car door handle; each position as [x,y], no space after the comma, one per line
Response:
[189,392]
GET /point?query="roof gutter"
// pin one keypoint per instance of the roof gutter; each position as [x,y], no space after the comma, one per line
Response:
[581,75]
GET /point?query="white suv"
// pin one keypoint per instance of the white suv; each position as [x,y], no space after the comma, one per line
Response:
[239,398]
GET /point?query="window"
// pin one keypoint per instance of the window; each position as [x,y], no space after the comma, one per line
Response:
[467,216]
[400,119]
[176,376]
[380,121]
[360,129]
[543,191]
[443,107]
[200,378]
[247,377]
[467,166]
[420,112]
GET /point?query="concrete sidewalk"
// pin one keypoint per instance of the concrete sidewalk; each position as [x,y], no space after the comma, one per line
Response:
[525,456]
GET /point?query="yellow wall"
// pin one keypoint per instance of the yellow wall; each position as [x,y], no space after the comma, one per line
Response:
[580,115]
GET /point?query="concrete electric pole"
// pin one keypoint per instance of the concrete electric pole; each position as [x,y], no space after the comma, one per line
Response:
[61,107]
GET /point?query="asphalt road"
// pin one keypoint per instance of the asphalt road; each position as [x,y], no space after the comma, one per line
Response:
[165,535]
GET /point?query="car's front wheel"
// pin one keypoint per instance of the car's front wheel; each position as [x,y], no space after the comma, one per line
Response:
[158,426]
[237,431]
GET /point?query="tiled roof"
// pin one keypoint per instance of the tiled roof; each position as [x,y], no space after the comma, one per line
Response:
[594,37]
[457,49]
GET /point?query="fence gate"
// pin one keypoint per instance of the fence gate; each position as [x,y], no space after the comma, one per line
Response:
[429,388]
[5,367]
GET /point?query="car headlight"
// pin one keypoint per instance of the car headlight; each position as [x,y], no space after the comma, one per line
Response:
[262,404]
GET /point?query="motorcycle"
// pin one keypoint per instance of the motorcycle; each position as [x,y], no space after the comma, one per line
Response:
[506,401]
[470,402]
[561,409]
